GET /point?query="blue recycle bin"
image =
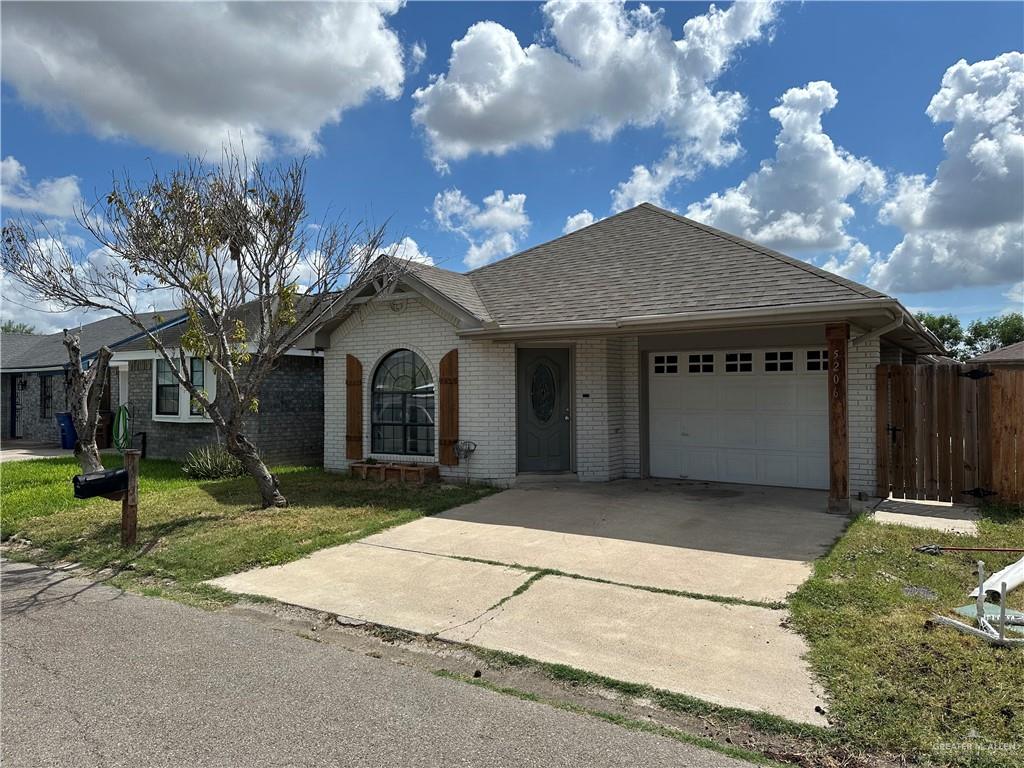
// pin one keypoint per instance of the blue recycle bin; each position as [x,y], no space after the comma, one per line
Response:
[68,435]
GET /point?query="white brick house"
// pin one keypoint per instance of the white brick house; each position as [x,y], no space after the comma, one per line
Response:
[643,345]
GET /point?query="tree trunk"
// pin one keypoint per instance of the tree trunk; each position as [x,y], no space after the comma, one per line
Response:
[238,445]
[84,391]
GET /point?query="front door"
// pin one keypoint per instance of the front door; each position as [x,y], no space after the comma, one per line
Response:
[543,410]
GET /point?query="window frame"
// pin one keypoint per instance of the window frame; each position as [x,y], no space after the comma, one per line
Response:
[739,362]
[407,405]
[779,361]
[821,361]
[702,363]
[665,363]
[186,412]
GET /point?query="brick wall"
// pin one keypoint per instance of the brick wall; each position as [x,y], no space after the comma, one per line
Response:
[594,411]
[607,408]
[861,360]
[34,426]
[287,430]
[487,388]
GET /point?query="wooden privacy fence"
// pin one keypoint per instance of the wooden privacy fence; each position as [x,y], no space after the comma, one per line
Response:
[950,432]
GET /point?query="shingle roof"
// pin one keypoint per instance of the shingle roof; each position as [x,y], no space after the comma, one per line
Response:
[1011,353]
[48,351]
[13,345]
[649,261]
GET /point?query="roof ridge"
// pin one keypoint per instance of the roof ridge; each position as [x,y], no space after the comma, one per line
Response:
[777,255]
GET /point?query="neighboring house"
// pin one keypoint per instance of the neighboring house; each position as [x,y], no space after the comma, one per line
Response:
[643,345]
[287,429]
[1010,356]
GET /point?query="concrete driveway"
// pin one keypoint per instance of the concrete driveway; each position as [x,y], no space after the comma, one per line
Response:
[634,580]
[741,541]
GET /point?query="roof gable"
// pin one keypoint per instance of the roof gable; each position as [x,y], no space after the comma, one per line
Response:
[649,261]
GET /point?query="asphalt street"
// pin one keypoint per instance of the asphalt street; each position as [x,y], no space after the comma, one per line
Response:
[92,676]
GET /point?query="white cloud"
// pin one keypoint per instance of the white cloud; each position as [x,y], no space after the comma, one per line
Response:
[852,263]
[492,231]
[800,199]
[599,67]
[951,258]
[50,197]
[1016,296]
[964,226]
[578,221]
[417,55]
[188,77]
[408,249]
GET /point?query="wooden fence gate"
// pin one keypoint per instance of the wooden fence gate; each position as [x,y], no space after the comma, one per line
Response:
[950,432]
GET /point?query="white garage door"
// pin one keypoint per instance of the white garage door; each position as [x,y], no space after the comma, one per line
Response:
[740,416]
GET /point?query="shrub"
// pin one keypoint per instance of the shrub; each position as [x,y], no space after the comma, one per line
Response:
[212,462]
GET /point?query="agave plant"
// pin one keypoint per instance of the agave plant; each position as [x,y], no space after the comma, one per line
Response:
[212,462]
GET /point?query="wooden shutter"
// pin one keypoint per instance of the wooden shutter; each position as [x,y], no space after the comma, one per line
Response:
[353,408]
[449,419]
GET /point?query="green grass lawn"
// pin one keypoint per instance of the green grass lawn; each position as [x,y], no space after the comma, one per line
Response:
[895,681]
[190,531]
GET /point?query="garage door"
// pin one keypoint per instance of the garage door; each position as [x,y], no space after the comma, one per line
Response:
[740,416]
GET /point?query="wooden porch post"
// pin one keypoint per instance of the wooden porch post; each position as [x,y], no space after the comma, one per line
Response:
[838,436]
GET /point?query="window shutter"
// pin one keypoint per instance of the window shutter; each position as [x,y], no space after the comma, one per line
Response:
[353,408]
[449,417]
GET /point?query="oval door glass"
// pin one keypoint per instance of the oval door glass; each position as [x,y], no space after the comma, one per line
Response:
[542,392]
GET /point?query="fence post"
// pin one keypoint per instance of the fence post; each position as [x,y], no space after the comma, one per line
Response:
[130,501]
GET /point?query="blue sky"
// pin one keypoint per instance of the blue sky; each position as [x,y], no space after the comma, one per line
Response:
[839,193]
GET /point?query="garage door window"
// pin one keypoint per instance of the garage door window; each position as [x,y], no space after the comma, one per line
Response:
[778,362]
[666,364]
[702,363]
[817,360]
[739,362]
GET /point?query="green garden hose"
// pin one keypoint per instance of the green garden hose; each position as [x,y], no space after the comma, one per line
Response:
[122,429]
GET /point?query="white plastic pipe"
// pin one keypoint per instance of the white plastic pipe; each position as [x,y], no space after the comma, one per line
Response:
[1008,579]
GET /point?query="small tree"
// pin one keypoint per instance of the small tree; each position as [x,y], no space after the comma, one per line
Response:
[13,326]
[999,331]
[948,330]
[234,247]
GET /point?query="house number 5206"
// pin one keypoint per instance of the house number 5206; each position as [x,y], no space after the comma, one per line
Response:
[837,373]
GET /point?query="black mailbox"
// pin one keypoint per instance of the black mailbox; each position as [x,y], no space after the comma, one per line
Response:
[109,482]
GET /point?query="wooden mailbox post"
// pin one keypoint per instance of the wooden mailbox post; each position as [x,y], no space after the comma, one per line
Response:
[130,499]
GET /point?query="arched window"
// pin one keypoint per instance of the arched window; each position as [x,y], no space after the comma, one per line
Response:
[402,406]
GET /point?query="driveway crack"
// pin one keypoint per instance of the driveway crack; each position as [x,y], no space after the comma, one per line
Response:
[497,608]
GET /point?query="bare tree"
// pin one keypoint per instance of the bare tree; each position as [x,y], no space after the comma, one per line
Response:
[85,388]
[234,246]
